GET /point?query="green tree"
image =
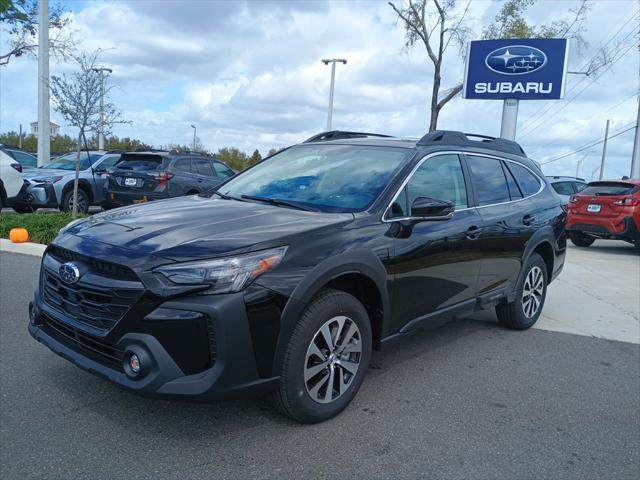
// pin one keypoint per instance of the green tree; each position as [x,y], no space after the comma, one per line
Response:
[19,22]
[233,157]
[255,157]
[273,151]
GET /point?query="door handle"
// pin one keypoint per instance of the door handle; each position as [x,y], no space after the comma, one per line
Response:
[528,219]
[473,232]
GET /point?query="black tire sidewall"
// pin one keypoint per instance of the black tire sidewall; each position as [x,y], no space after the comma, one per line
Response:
[579,239]
[66,201]
[301,405]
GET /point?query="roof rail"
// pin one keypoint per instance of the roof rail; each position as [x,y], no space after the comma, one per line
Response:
[451,136]
[339,135]
[145,149]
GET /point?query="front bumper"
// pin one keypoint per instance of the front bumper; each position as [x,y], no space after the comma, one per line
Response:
[233,373]
[37,195]
[616,228]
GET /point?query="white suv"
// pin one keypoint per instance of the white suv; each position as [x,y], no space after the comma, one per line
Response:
[10,178]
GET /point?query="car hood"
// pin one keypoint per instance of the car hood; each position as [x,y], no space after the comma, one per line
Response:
[196,227]
[45,172]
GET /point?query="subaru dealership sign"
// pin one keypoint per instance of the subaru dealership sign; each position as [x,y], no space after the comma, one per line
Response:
[531,69]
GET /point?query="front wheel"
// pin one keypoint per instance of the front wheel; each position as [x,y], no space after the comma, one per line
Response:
[326,359]
[83,201]
[531,292]
[579,239]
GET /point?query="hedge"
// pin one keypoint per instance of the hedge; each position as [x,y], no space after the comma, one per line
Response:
[42,227]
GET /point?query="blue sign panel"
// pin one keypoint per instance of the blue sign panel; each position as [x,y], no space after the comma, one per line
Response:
[527,69]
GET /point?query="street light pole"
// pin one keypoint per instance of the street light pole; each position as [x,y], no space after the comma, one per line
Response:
[604,149]
[194,138]
[333,62]
[101,70]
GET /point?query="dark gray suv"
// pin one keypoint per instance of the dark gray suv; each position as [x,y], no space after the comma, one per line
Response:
[144,176]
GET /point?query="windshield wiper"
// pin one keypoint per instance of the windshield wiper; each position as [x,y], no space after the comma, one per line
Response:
[281,203]
[220,194]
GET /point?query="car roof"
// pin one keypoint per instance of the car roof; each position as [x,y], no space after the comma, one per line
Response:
[435,139]
[564,178]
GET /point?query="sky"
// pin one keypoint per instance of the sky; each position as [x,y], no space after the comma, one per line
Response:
[249,75]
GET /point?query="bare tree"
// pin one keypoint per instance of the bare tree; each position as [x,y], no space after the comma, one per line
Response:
[436,24]
[76,97]
[19,20]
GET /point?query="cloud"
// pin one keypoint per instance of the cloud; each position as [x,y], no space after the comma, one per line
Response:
[248,74]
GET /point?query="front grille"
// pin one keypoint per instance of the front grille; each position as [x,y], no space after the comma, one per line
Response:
[102,351]
[101,297]
[213,347]
[99,267]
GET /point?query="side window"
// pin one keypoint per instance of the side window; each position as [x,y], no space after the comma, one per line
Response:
[222,170]
[25,159]
[439,177]
[563,188]
[489,181]
[202,166]
[109,162]
[579,186]
[183,165]
[514,190]
[529,183]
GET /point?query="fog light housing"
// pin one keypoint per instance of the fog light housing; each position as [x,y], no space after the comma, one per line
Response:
[136,362]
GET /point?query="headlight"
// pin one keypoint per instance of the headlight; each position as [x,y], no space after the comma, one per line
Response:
[227,274]
[47,179]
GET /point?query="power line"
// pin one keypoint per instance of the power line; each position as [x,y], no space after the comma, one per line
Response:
[585,147]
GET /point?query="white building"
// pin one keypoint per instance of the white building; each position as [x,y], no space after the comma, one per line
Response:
[54,129]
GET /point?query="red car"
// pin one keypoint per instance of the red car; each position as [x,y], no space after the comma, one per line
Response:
[608,209]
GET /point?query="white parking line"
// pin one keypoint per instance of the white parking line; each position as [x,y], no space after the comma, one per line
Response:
[597,294]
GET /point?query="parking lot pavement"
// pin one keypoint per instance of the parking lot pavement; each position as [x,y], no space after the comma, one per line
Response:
[467,400]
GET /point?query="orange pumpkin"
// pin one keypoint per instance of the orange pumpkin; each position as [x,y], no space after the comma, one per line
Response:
[19,235]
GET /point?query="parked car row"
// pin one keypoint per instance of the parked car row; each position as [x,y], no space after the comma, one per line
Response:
[112,178]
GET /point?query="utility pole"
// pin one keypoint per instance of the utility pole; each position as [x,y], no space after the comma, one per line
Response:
[332,61]
[580,163]
[193,149]
[635,158]
[101,71]
[604,149]
[43,83]
[509,118]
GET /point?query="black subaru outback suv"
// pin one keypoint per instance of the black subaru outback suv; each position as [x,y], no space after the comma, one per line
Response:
[286,277]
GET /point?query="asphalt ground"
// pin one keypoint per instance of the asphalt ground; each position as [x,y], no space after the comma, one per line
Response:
[466,400]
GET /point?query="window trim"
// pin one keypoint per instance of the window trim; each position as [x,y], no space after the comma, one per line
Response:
[462,155]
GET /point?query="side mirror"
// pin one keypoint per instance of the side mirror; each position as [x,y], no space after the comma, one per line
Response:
[426,208]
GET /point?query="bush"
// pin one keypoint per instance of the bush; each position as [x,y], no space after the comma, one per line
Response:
[42,227]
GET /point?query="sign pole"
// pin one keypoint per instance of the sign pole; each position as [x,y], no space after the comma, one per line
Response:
[509,118]
[43,83]
[604,149]
[635,159]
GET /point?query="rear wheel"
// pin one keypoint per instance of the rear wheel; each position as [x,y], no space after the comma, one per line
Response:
[579,239]
[326,359]
[525,310]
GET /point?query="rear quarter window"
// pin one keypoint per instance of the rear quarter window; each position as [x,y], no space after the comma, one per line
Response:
[528,182]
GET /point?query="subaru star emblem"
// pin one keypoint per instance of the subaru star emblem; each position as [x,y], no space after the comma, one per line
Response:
[516,60]
[69,273]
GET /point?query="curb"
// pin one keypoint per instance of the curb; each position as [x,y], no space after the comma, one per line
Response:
[27,248]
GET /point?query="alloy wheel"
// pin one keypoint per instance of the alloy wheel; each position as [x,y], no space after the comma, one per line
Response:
[82,202]
[532,292]
[332,359]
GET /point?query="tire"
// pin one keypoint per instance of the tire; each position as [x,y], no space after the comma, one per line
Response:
[309,367]
[531,293]
[579,239]
[23,209]
[83,201]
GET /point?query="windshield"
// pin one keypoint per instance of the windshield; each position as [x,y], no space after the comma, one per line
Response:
[68,161]
[330,178]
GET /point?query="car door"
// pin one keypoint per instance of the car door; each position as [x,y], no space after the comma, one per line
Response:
[436,264]
[508,218]
[98,171]
[222,171]
[204,173]
[184,180]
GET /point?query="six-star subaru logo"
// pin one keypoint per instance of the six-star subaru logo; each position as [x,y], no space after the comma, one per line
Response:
[516,60]
[69,273]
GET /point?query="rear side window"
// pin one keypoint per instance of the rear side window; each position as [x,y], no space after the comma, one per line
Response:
[222,170]
[529,183]
[609,188]
[109,161]
[202,166]
[140,163]
[514,190]
[489,181]
[183,165]
[563,188]
[579,186]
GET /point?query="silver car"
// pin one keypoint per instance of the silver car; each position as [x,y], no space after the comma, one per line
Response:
[52,186]
[566,186]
